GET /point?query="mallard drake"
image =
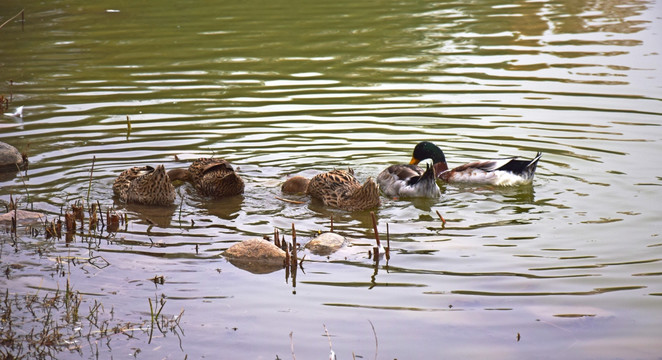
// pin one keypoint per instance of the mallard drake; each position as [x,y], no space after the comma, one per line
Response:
[502,172]
[145,185]
[340,189]
[408,181]
[211,177]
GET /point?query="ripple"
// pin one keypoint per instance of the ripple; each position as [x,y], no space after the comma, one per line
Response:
[281,90]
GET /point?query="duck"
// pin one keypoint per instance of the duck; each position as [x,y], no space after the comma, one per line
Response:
[145,185]
[340,189]
[501,172]
[408,180]
[211,177]
[295,185]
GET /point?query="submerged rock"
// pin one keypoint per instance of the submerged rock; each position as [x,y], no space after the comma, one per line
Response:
[9,157]
[326,244]
[22,216]
[256,255]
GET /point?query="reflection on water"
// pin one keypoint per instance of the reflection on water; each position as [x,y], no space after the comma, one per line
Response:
[569,264]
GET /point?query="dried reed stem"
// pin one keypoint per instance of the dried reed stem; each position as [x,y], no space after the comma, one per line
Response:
[290,201]
[128,127]
[294,246]
[89,187]
[374,226]
[388,244]
[443,221]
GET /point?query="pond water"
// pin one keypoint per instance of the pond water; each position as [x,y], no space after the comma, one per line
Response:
[569,267]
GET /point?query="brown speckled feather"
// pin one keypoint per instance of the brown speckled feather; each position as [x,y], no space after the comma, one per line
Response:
[215,178]
[339,188]
[145,185]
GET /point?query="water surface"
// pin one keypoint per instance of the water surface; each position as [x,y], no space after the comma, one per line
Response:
[570,264]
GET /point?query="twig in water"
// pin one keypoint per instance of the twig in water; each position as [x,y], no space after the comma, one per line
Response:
[89,187]
[100,213]
[70,222]
[24,185]
[181,203]
[14,221]
[287,261]
[290,201]
[294,247]
[301,263]
[374,226]
[443,221]
[388,244]
[332,354]
[292,345]
[276,238]
[22,13]
[77,209]
[93,216]
[128,126]
[376,342]
[283,244]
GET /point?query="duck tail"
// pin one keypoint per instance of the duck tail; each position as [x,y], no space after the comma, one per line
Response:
[232,184]
[530,168]
[160,175]
[426,184]
[369,193]
[428,175]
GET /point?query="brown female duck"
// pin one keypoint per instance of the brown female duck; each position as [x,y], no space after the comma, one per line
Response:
[211,177]
[340,189]
[295,185]
[145,185]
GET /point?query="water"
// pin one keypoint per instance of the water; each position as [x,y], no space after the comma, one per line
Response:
[571,264]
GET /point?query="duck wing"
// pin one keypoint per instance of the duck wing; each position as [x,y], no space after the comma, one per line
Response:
[330,184]
[123,181]
[409,181]
[509,171]
[512,165]
[400,172]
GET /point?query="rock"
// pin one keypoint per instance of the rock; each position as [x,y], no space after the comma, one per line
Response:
[22,216]
[9,156]
[256,255]
[255,249]
[326,244]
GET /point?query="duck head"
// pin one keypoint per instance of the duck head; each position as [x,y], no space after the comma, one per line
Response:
[427,150]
